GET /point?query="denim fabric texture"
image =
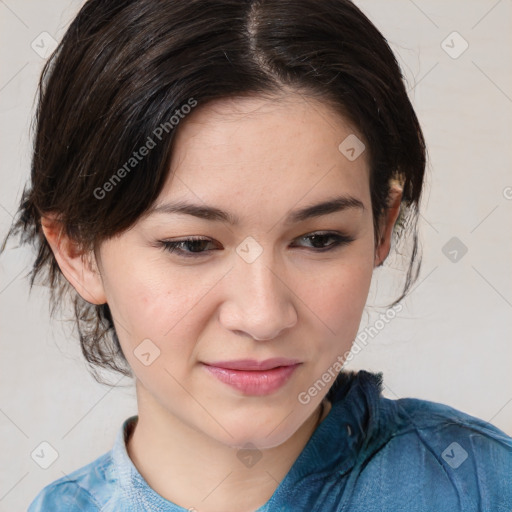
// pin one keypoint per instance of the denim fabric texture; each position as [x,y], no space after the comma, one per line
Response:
[370,454]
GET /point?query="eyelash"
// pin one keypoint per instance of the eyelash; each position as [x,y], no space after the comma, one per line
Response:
[174,246]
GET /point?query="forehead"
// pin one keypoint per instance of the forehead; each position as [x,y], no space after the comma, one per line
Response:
[246,150]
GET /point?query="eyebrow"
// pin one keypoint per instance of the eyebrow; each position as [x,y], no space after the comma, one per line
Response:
[336,204]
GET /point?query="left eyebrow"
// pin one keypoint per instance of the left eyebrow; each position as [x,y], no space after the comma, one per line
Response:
[211,213]
[334,205]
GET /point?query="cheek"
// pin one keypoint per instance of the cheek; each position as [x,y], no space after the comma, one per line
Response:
[339,292]
[143,286]
[146,298]
[153,301]
[340,300]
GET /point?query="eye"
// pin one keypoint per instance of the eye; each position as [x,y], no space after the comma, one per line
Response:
[318,240]
[195,247]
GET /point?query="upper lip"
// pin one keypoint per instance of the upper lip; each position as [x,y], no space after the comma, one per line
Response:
[253,364]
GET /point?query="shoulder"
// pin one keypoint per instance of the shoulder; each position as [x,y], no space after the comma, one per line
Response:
[441,456]
[83,490]
[433,424]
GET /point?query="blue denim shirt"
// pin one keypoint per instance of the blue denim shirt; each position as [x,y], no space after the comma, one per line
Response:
[369,454]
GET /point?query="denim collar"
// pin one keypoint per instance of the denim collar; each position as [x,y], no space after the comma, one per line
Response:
[348,428]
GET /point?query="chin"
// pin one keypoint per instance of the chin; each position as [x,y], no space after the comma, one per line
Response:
[263,436]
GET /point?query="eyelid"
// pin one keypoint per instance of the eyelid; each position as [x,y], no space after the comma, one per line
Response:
[342,238]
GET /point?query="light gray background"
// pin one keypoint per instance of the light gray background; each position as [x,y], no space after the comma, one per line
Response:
[451,343]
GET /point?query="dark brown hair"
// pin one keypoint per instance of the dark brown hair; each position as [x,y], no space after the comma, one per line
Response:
[125,67]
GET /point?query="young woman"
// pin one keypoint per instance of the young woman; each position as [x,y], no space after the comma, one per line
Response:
[214,181]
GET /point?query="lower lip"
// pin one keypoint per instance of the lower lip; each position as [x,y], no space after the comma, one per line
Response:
[254,382]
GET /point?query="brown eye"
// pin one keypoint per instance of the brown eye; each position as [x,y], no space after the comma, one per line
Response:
[319,240]
[188,247]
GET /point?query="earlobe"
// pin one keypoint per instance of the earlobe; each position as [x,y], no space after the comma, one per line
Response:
[387,224]
[79,268]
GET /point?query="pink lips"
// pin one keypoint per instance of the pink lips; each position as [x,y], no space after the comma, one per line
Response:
[254,377]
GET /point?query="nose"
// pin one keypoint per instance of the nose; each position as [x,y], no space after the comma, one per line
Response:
[260,303]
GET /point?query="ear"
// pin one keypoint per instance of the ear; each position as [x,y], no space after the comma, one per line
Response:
[387,223]
[79,268]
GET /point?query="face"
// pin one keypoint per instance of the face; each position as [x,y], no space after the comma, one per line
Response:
[273,284]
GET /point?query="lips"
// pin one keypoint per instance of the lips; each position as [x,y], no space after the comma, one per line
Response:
[252,364]
[253,377]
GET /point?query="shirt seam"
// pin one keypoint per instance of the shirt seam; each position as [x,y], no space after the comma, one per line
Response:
[89,495]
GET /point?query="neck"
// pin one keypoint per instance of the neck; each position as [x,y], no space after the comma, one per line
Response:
[195,471]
